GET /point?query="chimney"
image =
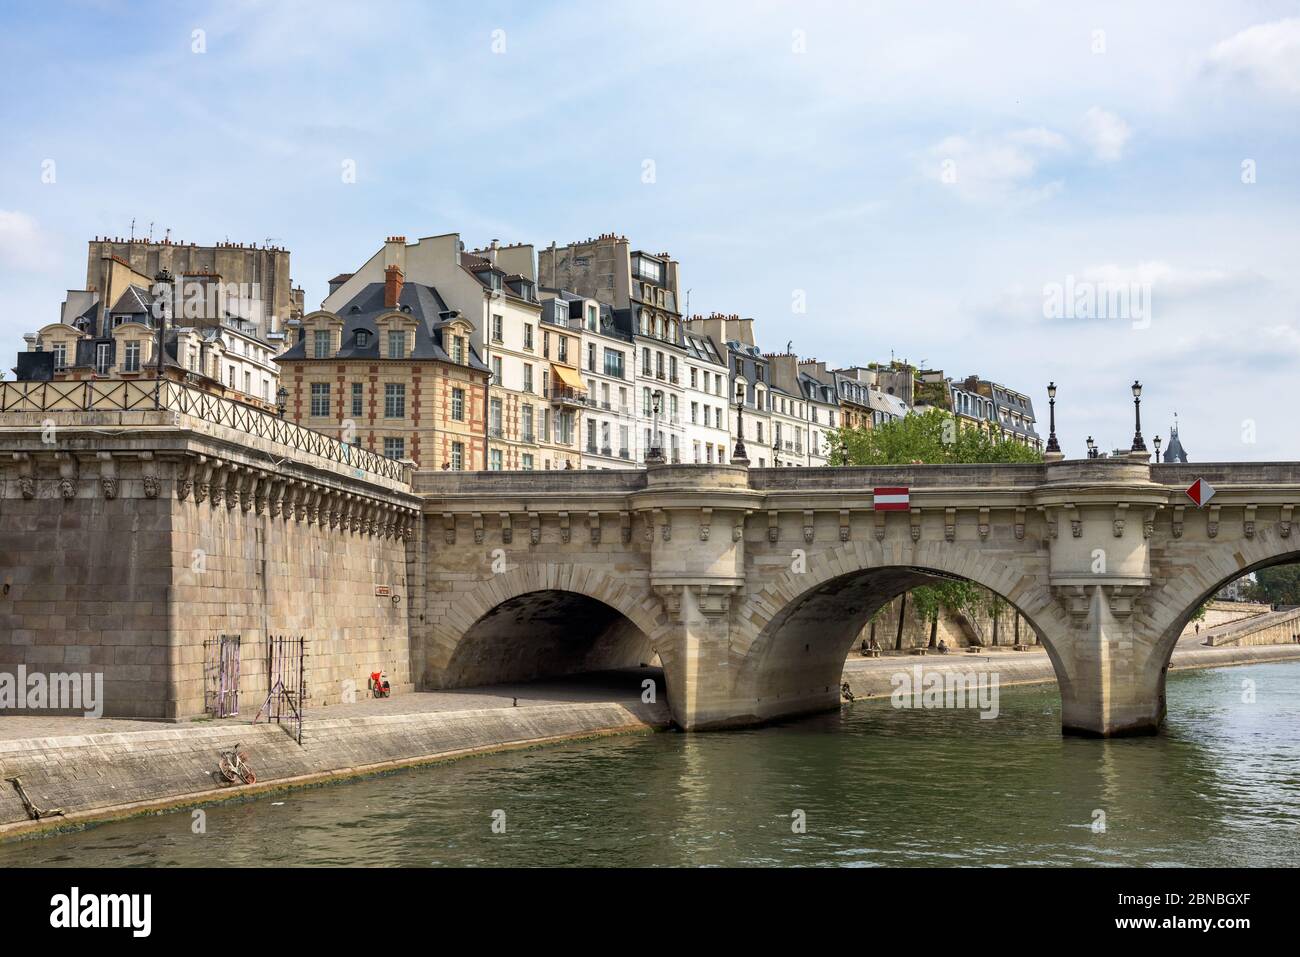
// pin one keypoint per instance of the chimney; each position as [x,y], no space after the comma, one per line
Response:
[392,287]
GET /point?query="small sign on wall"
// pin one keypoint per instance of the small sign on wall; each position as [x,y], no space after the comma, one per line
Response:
[382,591]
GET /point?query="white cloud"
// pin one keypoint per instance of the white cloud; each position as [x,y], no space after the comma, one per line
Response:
[1001,168]
[1170,280]
[22,244]
[1105,133]
[1268,54]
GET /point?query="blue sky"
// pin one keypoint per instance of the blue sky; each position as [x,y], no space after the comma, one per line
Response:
[918,174]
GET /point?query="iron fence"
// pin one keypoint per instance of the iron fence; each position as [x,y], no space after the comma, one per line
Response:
[149,395]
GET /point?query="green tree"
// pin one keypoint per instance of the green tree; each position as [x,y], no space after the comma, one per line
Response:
[932,437]
[1279,585]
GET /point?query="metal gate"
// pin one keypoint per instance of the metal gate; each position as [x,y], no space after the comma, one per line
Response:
[286,673]
[221,676]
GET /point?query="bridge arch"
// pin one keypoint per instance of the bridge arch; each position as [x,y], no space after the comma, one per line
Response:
[802,625]
[1173,605]
[544,621]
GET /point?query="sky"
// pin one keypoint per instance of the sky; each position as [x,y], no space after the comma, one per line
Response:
[1028,191]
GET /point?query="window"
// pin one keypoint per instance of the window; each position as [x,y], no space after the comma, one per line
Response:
[496,370]
[495,460]
[396,344]
[648,269]
[645,362]
[497,328]
[320,398]
[614,363]
[394,448]
[695,408]
[494,418]
[131,363]
[526,461]
[526,421]
[248,376]
[693,376]
[230,376]
[60,350]
[458,405]
[363,338]
[591,357]
[672,407]
[358,399]
[321,343]
[564,349]
[672,368]
[528,377]
[458,349]
[457,455]
[528,336]
[394,400]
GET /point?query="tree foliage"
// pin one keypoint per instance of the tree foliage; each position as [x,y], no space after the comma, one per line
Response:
[1279,585]
[932,437]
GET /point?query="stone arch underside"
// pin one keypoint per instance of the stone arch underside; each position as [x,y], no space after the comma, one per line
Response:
[803,626]
[523,626]
[1174,603]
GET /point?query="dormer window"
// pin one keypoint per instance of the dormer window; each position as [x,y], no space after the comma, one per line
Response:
[363,339]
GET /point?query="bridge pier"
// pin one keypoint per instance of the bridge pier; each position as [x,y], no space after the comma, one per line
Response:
[1112,679]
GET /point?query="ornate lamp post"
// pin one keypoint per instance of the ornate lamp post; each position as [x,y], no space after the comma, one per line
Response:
[1157,444]
[1138,444]
[739,454]
[1092,448]
[282,400]
[163,279]
[655,455]
[1052,444]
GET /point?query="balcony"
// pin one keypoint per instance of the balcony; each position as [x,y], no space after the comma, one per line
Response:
[529,438]
[591,448]
[606,451]
[497,432]
[624,454]
[566,396]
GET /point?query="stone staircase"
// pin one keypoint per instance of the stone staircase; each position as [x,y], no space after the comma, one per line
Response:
[1271,628]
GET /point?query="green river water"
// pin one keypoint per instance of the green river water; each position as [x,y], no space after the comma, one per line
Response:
[875,785]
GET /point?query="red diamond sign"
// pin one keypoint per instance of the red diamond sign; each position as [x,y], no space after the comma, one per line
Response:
[1200,492]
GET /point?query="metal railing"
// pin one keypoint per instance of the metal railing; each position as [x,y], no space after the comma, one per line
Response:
[150,395]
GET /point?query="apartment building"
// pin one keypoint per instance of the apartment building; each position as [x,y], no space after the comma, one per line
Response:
[530,424]
[643,290]
[851,394]
[803,409]
[394,369]
[112,331]
[707,402]
[749,382]
[607,356]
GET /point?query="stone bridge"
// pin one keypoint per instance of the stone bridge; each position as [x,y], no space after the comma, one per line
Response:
[751,585]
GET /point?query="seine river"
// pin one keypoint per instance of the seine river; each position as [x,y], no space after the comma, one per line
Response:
[871,786]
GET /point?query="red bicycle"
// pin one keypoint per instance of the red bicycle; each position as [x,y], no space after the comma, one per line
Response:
[233,767]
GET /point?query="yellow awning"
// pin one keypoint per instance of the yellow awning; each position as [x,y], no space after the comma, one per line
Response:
[569,377]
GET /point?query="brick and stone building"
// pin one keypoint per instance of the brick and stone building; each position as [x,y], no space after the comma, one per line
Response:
[394,370]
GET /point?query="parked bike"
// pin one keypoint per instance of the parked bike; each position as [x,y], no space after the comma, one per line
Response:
[234,768]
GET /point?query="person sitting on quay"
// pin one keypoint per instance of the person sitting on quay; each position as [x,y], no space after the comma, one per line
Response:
[943,647]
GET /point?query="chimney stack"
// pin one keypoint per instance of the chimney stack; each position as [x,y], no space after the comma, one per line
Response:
[393,282]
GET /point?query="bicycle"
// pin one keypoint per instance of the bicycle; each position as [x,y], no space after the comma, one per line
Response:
[233,767]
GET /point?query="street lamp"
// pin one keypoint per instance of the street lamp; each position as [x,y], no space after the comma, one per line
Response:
[282,398]
[1157,442]
[163,295]
[1052,444]
[655,454]
[739,452]
[1138,444]
[1092,448]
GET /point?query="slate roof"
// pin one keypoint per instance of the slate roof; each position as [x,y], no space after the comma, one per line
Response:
[360,313]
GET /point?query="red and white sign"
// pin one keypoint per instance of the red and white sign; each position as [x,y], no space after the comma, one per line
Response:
[1200,492]
[382,591]
[890,499]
